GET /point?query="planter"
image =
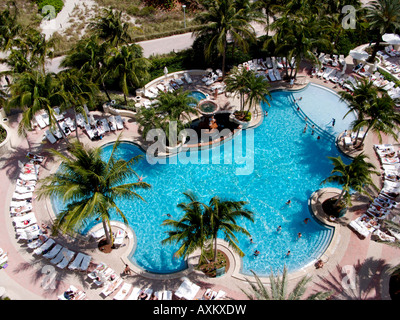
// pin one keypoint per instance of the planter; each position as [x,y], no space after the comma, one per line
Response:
[331,211]
[244,124]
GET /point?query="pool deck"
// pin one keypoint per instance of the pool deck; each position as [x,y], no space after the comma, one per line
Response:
[25,275]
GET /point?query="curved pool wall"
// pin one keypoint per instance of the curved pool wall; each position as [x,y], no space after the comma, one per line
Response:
[287,165]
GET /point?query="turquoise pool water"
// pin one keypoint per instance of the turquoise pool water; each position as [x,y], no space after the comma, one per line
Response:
[288,164]
[198,95]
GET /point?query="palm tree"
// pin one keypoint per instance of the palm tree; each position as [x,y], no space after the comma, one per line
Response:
[251,88]
[222,216]
[9,26]
[359,99]
[90,187]
[383,16]
[221,21]
[89,57]
[76,91]
[110,28]
[33,92]
[132,71]
[278,289]
[354,176]
[381,117]
[190,230]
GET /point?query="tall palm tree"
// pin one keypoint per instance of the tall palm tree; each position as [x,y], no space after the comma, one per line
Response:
[223,215]
[250,88]
[354,176]
[110,28]
[278,289]
[222,21]
[132,71]
[364,91]
[89,56]
[381,117]
[190,230]
[33,92]
[76,91]
[90,187]
[383,16]
[9,26]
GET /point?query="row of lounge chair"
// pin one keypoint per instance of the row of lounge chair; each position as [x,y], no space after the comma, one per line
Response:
[381,208]
[174,84]
[98,128]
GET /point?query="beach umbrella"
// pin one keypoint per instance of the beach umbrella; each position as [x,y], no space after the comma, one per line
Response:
[165,71]
[92,121]
[391,38]
[359,54]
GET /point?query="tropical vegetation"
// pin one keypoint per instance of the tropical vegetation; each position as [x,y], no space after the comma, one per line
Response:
[353,177]
[90,187]
[278,289]
[202,222]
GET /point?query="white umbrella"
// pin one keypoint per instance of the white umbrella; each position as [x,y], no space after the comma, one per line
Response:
[165,71]
[391,38]
[91,120]
[359,54]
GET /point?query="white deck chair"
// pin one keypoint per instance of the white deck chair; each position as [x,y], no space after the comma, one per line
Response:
[25,221]
[80,120]
[112,123]
[59,116]
[119,237]
[16,211]
[24,189]
[268,62]
[134,294]
[53,252]
[277,75]
[59,256]
[187,78]
[49,136]
[111,287]
[66,259]
[123,292]
[167,295]
[85,263]
[89,131]
[22,196]
[327,73]
[37,243]
[120,123]
[70,123]
[40,121]
[30,234]
[46,118]
[77,261]
[106,127]
[271,75]
[45,246]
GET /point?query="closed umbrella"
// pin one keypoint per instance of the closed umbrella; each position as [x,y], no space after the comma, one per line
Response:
[391,38]
[359,54]
[165,71]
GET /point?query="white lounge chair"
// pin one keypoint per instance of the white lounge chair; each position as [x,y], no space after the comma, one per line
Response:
[268,63]
[53,252]
[123,292]
[112,123]
[111,286]
[220,295]
[167,295]
[85,263]
[277,75]
[24,189]
[37,243]
[22,196]
[120,123]
[80,120]
[46,118]
[66,259]
[59,256]
[105,125]
[187,290]
[134,294]
[28,177]
[119,237]
[17,211]
[40,121]
[89,131]
[187,78]
[327,73]
[271,75]
[25,221]
[49,136]
[59,116]
[70,123]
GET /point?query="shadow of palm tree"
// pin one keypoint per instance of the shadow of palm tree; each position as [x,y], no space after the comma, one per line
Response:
[361,281]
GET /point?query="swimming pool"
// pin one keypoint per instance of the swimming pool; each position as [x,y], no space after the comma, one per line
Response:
[288,164]
[198,95]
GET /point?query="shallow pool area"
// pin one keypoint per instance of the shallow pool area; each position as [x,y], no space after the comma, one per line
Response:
[198,95]
[281,162]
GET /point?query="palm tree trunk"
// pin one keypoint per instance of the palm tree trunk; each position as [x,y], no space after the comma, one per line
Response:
[108,232]
[223,60]
[76,126]
[339,199]
[363,138]
[215,247]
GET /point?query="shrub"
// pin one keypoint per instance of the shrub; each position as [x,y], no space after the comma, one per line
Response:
[3,134]
[57,4]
